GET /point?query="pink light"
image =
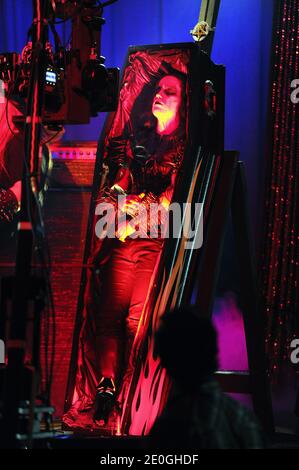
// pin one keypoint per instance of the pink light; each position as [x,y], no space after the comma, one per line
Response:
[228,322]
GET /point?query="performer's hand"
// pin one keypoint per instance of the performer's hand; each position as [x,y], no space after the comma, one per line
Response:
[123,178]
[124,231]
[131,204]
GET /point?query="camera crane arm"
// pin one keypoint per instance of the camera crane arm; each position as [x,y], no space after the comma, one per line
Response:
[44,12]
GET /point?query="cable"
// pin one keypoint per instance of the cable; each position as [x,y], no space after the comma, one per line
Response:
[40,245]
[51,138]
[8,123]
[81,6]
[40,241]
[36,240]
[41,248]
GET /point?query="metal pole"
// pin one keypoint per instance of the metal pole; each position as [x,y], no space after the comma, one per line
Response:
[17,336]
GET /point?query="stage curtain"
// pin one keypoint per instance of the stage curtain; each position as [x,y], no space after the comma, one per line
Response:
[279,273]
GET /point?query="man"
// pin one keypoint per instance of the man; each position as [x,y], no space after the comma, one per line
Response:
[198,415]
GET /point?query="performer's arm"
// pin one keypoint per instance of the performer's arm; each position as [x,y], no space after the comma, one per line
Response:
[118,156]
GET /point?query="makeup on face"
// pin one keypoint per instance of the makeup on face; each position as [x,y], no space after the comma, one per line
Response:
[168,97]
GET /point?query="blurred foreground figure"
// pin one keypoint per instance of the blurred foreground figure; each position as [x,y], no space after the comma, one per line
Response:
[198,415]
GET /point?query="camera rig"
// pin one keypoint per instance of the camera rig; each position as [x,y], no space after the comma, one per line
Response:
[77,85]
[58,87]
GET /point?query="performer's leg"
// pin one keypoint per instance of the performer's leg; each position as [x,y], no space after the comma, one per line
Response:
[145,256]
[146,253]
[118,277]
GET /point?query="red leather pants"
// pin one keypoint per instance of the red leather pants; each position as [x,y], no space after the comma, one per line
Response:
[125,282]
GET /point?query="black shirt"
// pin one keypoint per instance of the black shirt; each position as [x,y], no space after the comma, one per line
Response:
[206,419]
[152,158]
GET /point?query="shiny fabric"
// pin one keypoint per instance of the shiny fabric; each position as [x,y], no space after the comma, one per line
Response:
[126,278]
[151,158]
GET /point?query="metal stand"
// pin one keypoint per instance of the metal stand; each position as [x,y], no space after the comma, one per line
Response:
[21,286]
[27,414]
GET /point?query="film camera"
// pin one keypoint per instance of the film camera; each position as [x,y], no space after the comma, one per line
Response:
[77,85]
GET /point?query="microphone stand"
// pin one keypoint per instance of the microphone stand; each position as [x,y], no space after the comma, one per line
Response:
[22,282]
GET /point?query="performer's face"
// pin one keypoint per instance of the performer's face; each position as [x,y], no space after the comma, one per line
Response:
[168,98]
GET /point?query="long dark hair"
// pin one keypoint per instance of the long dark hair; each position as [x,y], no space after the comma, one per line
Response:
[142,118]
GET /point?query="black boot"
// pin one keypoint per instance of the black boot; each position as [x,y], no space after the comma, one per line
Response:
[105,399]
